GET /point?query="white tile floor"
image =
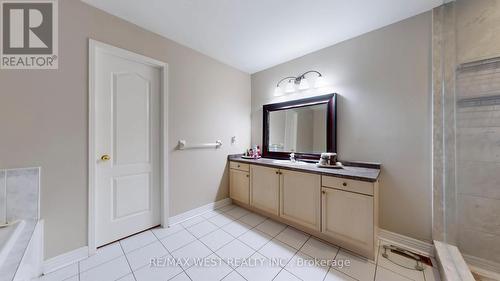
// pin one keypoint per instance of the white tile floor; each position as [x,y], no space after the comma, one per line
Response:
[237,237]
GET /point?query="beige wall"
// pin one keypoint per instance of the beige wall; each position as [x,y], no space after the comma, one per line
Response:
[43,120]
[383,78]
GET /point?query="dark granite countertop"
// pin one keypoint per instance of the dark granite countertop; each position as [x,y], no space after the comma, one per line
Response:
[352,170]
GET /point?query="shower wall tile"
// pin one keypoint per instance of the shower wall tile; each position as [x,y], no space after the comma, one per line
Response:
[479,179]
[478,30]
[483,116]
[23,187]
[478,144]
[479,244]
[479,213]
[3,202]
[478,81]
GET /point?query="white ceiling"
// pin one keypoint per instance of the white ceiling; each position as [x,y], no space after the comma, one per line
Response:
[253,35]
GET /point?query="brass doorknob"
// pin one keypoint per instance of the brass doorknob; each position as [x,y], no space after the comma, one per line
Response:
[105,157]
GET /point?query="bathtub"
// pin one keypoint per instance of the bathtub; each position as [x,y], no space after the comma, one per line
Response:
[8,237]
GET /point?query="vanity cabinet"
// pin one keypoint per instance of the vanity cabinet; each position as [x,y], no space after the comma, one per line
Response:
[347,217]
[265,187]
[239,185]
[299,197]
[343,211]
[239,182]
[350,213]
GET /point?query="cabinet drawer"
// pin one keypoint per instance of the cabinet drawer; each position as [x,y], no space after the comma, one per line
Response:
[348,185]
[239,166]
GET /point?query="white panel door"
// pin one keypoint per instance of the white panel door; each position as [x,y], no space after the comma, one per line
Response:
[127,147]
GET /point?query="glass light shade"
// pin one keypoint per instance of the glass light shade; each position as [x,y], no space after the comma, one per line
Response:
[278,92]
[290,87]
[304,84]
[320,82]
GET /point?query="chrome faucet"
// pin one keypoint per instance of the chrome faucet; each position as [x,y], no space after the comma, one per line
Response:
[292,157]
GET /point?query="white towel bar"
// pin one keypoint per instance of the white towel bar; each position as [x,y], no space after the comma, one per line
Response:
[182,145]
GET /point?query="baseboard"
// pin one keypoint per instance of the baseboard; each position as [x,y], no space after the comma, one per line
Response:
[198,211]
[417,246]
[483,267]
[65,259]
[79,254]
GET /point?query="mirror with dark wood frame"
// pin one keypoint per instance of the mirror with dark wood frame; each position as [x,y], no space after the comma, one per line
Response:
[306,127]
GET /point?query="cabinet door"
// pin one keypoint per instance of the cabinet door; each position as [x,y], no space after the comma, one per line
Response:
[239,185]
[300,198]
[265,188]
[348,217]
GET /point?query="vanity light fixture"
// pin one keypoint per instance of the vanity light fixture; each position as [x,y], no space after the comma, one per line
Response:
[301,81]
[320,82]
[290,87]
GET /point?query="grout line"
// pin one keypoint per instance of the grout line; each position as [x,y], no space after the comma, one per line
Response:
[233,219]
[102,263]
[182,245]
[222,244]
[180,274]
[217,227]
[213,252]
[157,240]
[129,266]
[376,262]
[145,245]
[160,238]
[236,238]
[170,254]
[295,255]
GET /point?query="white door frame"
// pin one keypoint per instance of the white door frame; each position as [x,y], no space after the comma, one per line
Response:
[164,190]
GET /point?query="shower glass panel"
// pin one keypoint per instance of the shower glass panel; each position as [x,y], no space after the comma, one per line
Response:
[471,133]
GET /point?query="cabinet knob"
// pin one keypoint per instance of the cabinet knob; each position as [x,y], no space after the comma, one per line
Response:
[324,192]
[238,165]
[277,172]
[248,176]
[344,183]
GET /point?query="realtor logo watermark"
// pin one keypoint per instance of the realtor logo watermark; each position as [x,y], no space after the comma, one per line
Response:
[29,34]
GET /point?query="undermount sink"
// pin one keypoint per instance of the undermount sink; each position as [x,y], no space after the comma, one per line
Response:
[288,162]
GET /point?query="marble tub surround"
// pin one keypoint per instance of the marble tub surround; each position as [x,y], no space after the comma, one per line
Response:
[21,193]
[368,172]
[10,267]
